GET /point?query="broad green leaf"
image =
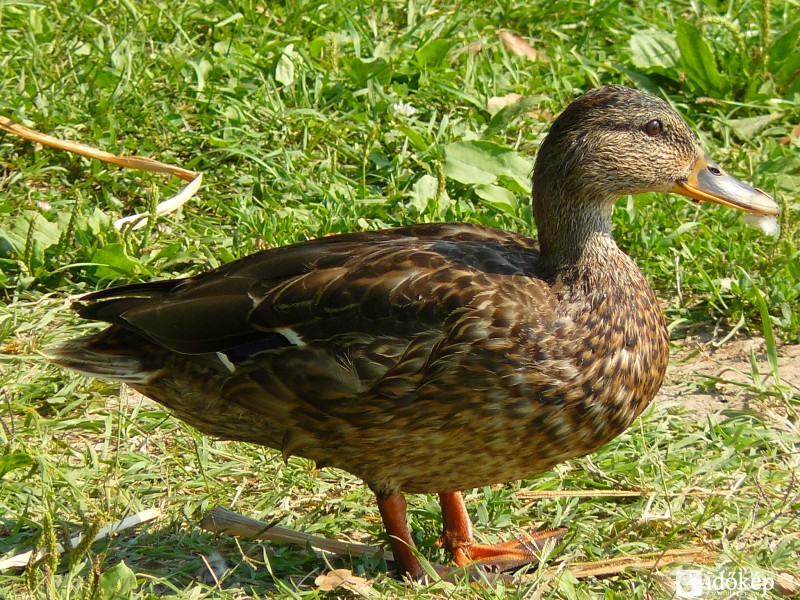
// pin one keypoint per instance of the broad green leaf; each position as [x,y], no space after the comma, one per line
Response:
[750,127]
[784,48]
[479,162]
[47,233]
[317,46]
[42,233]
[98,222]
[12,242]
[433,53]
[423,191]
[516,183]
[113,261]
[284,71]
[465,163]
[444,203]
[13,461]
[654,50]
[789,165]
[498,197]
[362,70]
[789,73]
[224,47]
[697,60]
[117,582]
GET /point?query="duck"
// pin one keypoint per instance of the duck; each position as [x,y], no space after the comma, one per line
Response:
[432,358]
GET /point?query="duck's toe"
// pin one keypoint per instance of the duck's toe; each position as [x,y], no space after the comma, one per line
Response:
[508,555]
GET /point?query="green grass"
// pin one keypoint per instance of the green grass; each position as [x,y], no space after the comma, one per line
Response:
[291,112]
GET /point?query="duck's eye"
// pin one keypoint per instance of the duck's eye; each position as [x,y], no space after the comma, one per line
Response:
[653,128]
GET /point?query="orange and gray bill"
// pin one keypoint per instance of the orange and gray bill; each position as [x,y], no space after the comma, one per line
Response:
[709,183]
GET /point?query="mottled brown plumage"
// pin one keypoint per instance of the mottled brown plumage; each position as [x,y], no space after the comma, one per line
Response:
[431,358]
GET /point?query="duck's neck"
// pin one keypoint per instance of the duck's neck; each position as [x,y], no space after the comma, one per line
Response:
[572,230]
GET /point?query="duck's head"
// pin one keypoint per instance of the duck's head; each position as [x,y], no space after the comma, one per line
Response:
[614,141]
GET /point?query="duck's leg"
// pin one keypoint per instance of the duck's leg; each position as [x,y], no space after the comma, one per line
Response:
[393,513]
[457,538]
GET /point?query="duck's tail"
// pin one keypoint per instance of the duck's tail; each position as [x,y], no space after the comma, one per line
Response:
[102,356]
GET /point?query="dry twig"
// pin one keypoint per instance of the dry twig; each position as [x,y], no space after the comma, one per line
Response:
[25,558]
[194,178]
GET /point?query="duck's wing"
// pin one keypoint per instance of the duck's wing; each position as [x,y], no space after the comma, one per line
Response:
[389,285]
[329,338]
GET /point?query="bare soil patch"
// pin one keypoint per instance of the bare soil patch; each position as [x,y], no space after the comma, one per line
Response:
[704,378]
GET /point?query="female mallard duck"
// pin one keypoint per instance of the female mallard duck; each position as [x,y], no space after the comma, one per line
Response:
[431,358]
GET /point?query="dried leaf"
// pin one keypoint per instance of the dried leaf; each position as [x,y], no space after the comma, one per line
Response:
[222,520]
[786,583]
[470,49]
[542,115]
[650,561]
[343,578]
[520,47]
[578,494]
[495,103]
[786,140]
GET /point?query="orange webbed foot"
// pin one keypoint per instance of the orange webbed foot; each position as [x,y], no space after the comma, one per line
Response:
[457,537]
[508,555]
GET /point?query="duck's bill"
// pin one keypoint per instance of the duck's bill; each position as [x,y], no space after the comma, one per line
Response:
[709,183]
